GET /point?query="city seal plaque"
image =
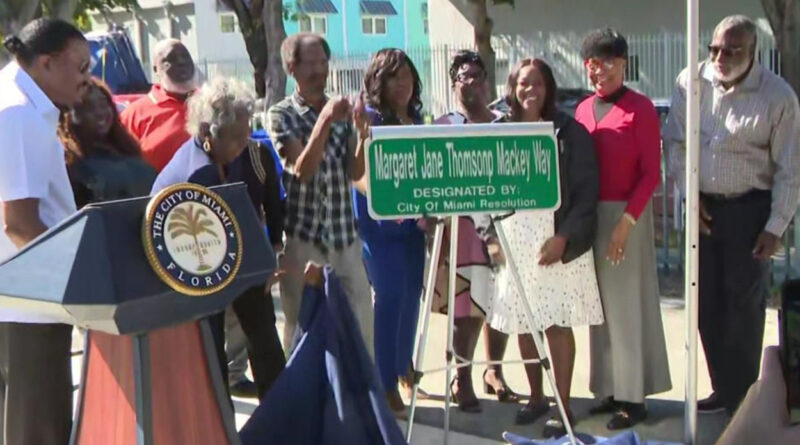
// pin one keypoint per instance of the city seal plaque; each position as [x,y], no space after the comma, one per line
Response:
[192,239]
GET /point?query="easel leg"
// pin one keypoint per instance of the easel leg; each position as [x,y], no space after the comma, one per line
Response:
[544,356]
[430,283]
[451,309]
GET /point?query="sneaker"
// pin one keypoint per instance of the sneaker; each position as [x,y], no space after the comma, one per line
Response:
[711,404]
[245,389]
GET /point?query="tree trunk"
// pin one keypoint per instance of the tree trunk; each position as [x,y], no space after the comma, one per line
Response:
[14,14]
[275,34]
[251,26]
[483,41]
[65,9]
[784,18]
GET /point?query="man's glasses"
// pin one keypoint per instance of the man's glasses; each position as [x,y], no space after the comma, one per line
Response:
[595,65]
[477,76]
[715,50]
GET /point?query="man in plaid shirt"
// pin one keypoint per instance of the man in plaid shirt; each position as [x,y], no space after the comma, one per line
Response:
[316,139]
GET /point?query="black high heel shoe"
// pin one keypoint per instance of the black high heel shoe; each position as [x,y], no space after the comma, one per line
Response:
[504,393]
[466,404]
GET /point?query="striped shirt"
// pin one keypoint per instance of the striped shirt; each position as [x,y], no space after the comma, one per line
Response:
[749,138]
[320,212]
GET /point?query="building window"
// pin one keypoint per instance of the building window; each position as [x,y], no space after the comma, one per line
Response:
[228,22]
[373,25]
[314,23]
[425,25]
[632,70]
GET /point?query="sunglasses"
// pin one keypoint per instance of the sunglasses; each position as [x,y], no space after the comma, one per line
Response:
[715,50]
[464,77]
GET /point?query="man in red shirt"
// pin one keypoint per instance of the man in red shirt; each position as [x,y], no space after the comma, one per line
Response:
[158,119]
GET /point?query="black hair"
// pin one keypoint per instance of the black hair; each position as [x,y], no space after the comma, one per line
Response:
[604,44]
[385,65]
[462,57]
[290,47]
[549,109]
[40,37]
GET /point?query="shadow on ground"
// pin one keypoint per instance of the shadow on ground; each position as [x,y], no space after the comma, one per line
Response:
[665,421]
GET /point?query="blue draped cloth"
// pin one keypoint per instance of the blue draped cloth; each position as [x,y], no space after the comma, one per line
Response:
[329,392]
[626,438]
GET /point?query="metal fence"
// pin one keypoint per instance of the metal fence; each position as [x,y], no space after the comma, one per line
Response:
[654,62]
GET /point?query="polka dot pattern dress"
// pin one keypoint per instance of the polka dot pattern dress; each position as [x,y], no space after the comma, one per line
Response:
[560,294]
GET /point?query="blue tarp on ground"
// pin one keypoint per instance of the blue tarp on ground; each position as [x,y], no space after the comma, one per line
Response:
[329,393]
[626,438]
[115,62]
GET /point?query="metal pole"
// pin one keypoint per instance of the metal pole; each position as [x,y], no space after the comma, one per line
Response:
[451,311]
[430,284]
[692,217]
[544,355]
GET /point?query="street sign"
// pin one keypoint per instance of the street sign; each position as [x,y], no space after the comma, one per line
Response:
[429,170]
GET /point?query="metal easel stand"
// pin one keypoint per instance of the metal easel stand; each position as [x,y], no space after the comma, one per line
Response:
[453,359]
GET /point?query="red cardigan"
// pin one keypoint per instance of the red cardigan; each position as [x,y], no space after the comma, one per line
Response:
[628,145]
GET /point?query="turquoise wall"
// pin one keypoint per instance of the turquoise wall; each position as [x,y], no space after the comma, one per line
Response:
[349,17]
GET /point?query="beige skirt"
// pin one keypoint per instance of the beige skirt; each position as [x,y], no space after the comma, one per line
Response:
[628,352]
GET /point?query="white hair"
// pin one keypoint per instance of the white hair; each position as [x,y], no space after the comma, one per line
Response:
[739,24]
[218,103]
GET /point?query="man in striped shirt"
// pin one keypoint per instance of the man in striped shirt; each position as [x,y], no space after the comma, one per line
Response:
[749,189]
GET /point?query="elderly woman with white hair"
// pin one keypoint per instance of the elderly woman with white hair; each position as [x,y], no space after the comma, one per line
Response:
[219,151]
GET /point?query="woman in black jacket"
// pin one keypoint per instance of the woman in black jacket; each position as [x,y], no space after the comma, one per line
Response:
[558,276]
[104,161]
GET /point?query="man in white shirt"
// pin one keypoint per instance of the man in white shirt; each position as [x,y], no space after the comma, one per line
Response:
[51,68]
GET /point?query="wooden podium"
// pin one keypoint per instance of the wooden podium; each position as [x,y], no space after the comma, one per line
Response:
[150,372]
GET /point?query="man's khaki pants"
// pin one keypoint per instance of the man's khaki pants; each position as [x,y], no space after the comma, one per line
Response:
[349,268]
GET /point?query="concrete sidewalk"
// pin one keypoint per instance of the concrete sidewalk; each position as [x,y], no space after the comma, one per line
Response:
[666,410]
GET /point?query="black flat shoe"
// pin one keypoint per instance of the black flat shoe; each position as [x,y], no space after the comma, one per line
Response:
[711,404]
[504,393]
[554,427]
[530,412]
[607,406]
[627,416]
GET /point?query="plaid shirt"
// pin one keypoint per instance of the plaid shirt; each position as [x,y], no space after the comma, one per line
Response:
[321,211]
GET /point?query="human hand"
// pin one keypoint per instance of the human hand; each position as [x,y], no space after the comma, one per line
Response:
[495,251]
[361,119]
[337,109]
[313,274]
[766,246]
[763,417]
[705,220]
[552,250]
[619,238]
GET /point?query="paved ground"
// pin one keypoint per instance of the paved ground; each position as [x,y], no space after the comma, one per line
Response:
[666,409]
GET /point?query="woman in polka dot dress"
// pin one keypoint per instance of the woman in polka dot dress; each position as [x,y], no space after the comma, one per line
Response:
[552,251]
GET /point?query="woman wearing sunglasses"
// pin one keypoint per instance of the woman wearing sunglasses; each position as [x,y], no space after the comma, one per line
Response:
[629,356]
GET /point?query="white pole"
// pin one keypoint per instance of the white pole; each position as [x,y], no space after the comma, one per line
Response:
[692,217]
[451,312]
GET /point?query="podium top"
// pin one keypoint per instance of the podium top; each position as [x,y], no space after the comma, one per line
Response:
[92,271]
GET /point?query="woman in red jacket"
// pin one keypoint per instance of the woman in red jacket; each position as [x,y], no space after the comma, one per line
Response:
[629,357]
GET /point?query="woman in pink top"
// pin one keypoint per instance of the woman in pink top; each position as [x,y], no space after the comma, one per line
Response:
[629,357]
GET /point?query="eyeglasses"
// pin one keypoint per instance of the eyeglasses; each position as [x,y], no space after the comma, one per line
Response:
[729,52]
[475,75]
[595,65]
